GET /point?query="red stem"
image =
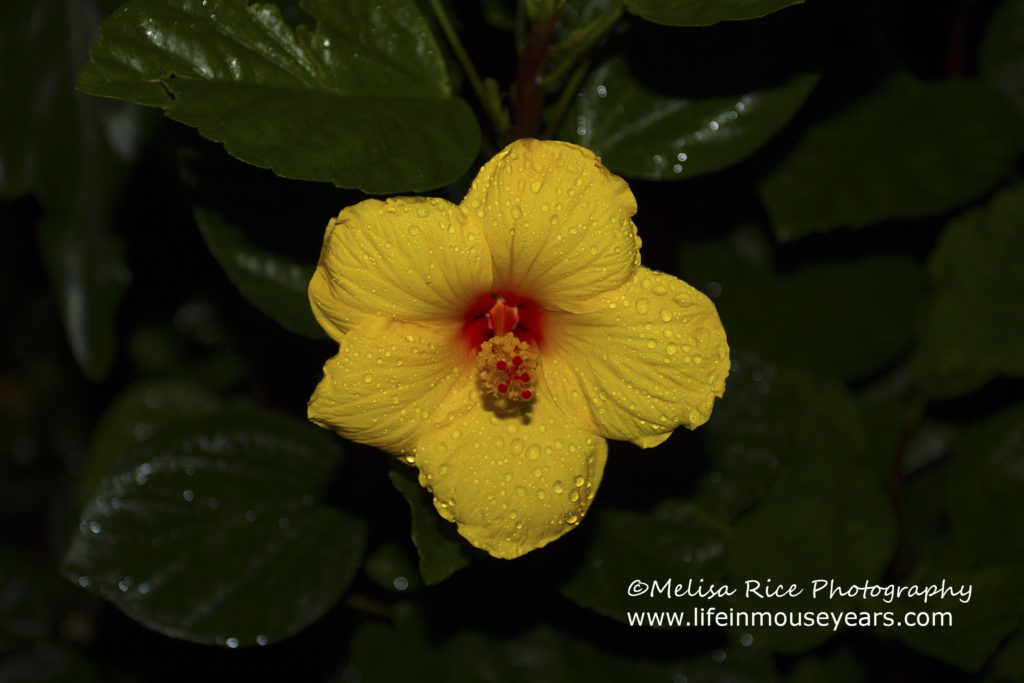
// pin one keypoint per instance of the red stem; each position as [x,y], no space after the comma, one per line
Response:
[529,97]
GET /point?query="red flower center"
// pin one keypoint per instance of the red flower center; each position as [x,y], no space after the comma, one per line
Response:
[495,314]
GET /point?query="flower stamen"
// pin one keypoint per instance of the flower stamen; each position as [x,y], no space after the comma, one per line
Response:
[506,367]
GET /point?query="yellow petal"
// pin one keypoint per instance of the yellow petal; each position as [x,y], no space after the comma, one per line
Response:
[511,485]
[387,379]
[654,357]
[409,258]
[557,222]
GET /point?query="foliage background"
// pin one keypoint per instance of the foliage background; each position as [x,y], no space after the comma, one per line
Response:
[859,223]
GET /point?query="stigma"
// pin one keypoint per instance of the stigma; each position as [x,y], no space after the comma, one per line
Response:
[507,371]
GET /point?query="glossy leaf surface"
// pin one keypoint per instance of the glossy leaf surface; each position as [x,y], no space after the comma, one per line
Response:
[213,531]
[910,149]
[363,101]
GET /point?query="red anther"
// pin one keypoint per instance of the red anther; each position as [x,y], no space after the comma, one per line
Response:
[501,365]
[503,388]
[517,361]
[525,377]
[527,394]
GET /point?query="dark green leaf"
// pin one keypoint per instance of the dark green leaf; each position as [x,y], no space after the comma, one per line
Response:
[391,567]
[869,304]
[842,666]
[364,101]
[1002,51]
[749,436]
[32,599]
[986,479]
[70,151]
[49,661]
[274,284]
[134,417]
[678,540]
[909,149]
[1008,663]
[442,551]
[641,133]
[971,327]
[215,535]
[978,626]
[704,12]
[541,655]
[825,514]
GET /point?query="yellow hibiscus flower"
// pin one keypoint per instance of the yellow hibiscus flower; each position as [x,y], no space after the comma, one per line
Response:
[497,343]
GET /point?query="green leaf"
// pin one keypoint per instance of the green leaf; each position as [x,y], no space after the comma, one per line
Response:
[825,514]
[274,284]
[33,600]
[869,304]
[59,662]
[978,626]
[215,535]
[907,150]
[641,133]
[678,540]
[442,551]
[704,12]
[540,655]
[134,417]
[1002,51]
[1008,663]
[391,567]
[70,151]
[364,101]
[986,478]
[971,326]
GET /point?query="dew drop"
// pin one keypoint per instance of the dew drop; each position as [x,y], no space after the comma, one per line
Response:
[559,487]
[533,451]
[642,306]
[535,186]
[666,315]
[232,643]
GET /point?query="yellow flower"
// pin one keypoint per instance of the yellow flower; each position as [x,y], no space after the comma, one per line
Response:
[497,343]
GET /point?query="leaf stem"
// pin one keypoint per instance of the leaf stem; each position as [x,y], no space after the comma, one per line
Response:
[595,31]
[492,108]
[565,99]
[529,96]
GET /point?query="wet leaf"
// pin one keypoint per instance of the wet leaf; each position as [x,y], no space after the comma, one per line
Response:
[442,551]
[641,133]
[274,284]
[134,417]
[391,567]
[971,324]
[909,149]
[704,12]
[216,534]
[363,101]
